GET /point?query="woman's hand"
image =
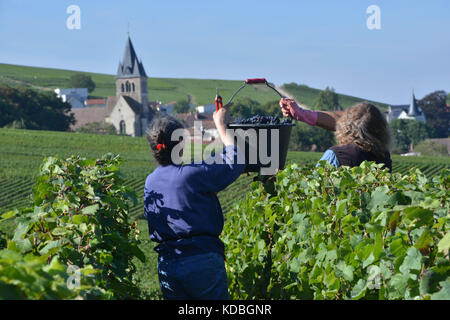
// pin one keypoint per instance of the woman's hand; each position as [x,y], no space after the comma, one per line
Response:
[290,108]
[222,116]
[323,119]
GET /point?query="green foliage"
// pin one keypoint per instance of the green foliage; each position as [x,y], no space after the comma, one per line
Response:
[245,108]
[80,216]
[435,109]
[272,108]
[182,106]
[327,100]
[97,128]
[16,124]
[2,239]
[407,133]
[431,148]
[348,233]
[307,138]
[22,151]
[31,277]
[81,80]
[31,109]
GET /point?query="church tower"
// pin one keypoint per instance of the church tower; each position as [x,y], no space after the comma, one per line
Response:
[131,79]
[413,110]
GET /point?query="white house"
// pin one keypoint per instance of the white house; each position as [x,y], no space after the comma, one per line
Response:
[411,111]
[209,108]
[166,108]
[75,96]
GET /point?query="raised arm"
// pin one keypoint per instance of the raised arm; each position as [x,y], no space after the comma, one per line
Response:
[210,176]
[324,119]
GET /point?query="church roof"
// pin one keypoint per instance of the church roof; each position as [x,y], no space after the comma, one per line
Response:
[130,66]
[134,105]
[414,108]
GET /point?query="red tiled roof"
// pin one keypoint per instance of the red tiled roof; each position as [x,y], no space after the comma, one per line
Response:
[88,115]
[95,101]
[188,119]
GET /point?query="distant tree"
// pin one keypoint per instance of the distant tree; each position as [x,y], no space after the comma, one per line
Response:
[272,108]
[244,108]
[98,128]
[31,109]
[408,133]
[181,106]
[431,148]
[327,100]
[448,99]
[80,80]
[16,124]
[308,138]
[434,107]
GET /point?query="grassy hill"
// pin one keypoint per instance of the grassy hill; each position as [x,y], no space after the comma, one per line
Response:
[199,91]
[307,95]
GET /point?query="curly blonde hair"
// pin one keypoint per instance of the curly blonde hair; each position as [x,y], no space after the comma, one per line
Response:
[364,125]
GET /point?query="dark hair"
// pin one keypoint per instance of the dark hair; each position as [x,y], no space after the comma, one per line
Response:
[160,132]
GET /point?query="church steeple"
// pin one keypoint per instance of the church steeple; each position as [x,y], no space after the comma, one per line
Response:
[413,107]
[130,65]
[131,78]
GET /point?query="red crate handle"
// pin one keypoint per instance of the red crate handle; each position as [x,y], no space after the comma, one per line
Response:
[255,81]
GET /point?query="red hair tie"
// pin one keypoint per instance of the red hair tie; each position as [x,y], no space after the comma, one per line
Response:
[160,145]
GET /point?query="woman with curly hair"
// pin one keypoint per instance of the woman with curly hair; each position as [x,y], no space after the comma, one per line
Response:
[362,132]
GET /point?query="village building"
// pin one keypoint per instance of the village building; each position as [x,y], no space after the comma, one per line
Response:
[75,96]
[95,103]
[200,126]
[209,108]
[129,110]
[411,111]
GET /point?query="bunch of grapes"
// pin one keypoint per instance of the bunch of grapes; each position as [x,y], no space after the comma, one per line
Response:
[258,119]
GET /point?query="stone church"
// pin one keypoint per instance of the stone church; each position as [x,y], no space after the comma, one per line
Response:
[129,110]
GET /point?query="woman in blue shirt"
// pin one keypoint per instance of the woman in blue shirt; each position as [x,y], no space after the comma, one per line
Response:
[362,132]
[184,214]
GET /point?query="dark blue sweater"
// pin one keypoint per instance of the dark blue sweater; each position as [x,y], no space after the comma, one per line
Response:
[183,213]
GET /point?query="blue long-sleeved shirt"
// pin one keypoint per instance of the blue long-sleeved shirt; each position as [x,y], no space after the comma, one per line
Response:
[180,204]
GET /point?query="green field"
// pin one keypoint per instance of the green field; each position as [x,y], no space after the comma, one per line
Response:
[22,152]
[200,91]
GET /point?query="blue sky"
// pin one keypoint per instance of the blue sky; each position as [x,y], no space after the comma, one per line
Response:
[319,43]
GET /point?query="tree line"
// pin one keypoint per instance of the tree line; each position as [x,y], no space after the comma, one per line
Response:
[25,108]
